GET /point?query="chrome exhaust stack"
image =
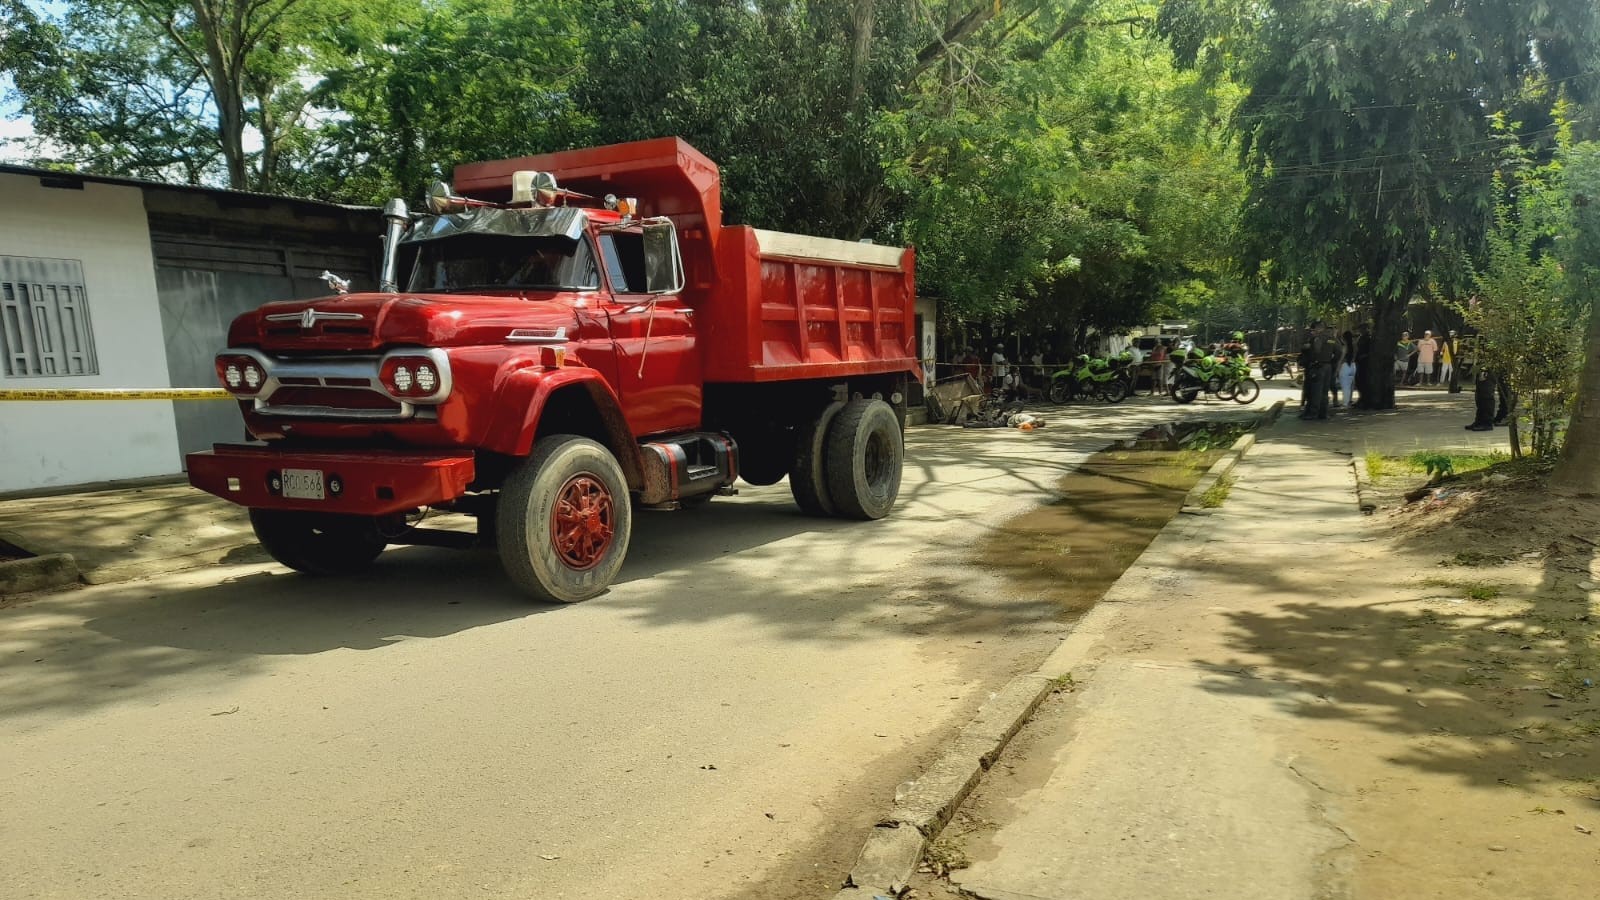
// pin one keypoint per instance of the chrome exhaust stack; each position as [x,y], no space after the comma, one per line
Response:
[396,217]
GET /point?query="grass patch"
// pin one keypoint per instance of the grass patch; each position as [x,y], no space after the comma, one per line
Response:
[1377,464]
[1474,558]
[1481,591]
[1434,464]
[1217,494]
[1441,464]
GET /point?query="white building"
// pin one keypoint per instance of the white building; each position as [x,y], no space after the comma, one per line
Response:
[116,283]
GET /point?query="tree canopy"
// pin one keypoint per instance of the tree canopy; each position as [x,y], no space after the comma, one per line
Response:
[1052,165]
[1367,130]
[1061,165]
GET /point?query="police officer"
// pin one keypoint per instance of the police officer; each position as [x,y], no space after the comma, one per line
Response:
[1321,352]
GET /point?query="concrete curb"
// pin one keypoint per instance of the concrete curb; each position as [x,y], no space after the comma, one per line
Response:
[923,807]
[37,573]
[1364,490]
[1193,503]
[1222,468]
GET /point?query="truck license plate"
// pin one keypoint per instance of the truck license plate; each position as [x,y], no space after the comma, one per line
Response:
[302,484]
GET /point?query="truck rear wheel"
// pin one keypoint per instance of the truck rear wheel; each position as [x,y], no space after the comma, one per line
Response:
[318,543]
[563,520]
[807,479]
[865,454]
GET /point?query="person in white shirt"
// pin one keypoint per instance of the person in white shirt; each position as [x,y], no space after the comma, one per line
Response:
[1001,371]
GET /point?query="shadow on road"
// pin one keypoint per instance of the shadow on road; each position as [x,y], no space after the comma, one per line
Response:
[754,557]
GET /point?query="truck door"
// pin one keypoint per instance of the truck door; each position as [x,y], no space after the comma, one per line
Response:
[658,364]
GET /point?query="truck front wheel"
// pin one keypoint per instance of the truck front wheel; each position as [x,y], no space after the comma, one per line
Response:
[865,454]
[318,543]
[563,520]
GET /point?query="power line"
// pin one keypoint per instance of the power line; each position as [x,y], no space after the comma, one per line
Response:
[1354,164]
[1442,102]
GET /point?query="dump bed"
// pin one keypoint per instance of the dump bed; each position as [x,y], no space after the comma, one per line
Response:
[789,306]
[769,306]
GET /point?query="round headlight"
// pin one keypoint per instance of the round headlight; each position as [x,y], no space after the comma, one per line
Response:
[402,378]
[232,376]
[252,377]
[426,379]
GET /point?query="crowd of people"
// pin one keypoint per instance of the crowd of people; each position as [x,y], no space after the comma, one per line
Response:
[1335,367]
[1423,362]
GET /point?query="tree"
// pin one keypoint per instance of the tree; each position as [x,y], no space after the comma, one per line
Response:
[109,98]
[1530,332]
[1365,129]
[1578,470]
[1058,173]
[202,90]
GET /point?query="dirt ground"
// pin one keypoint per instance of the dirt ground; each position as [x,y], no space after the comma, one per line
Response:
[1502,629]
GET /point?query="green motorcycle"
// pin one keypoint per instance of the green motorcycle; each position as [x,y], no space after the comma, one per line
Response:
[1225,379]
[1090,377]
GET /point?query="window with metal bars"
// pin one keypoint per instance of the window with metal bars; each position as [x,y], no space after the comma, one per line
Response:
[44,318]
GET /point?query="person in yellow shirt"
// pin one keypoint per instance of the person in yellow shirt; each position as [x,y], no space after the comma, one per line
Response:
[1445,359]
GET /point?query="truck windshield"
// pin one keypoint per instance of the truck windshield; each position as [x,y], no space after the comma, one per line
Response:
[478,262]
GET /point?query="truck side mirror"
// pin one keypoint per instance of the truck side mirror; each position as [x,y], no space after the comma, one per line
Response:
[663,266]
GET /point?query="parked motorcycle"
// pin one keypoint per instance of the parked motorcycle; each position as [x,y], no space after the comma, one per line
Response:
[1273,366]
[1223,378]
[1090,377]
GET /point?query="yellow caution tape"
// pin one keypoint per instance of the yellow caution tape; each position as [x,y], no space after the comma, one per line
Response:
[117,394]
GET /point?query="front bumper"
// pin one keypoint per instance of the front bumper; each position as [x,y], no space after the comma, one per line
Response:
[371,483]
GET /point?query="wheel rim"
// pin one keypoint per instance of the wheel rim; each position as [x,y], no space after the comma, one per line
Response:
[583,522]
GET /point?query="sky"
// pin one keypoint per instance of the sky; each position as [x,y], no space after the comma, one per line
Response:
[13,124]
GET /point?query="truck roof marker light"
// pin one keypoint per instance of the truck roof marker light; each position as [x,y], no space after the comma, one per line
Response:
[529,188]
[552,357]
[442,199]
[628,206]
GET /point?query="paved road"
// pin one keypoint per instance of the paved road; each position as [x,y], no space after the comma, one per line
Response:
[727,721]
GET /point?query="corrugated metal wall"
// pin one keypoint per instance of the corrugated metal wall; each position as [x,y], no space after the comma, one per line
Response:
[206,275]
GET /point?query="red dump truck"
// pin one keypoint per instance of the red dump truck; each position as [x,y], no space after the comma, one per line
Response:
[559,341]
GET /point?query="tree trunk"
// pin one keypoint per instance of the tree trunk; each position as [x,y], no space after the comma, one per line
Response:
[222,31]
[958,27]
[861,48]
[1578,471]
[1387,323]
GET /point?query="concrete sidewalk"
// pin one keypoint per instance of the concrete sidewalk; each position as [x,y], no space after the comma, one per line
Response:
[1175,768]
[121,533]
